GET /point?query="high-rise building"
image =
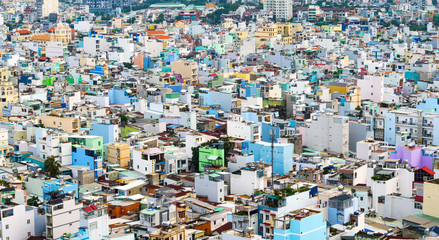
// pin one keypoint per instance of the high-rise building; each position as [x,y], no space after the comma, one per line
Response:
[50,6]
[282,9]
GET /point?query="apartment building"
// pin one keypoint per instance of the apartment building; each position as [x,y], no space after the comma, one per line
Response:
[119,153]
[282,9]
[68,124]
[95,219]
[212,186]
[422,127]
[62,215]
[246,130]
[20,222]
[187,69]
[328,133]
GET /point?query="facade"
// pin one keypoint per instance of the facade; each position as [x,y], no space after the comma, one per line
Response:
[68,124]
[282,9]
[211,157]
[62,216]
[300,225]
[109,132]
[328,133]
[283,155]
[119,153]
[238,128]
[188,71]
[340,208]
[212,186]
[50,6]
[88,157]
[95,219]
[20,222]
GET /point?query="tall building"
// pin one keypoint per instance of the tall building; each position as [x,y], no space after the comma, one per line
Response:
[50,6]
[282,9]
[328,133]
[62,215]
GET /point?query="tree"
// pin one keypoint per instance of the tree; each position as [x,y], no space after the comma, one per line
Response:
[52,166]
[33,201]
[160,18]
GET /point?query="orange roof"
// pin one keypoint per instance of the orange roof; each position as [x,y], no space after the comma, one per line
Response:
[163,37]
[154,32]
[40,38]
[51,29]
[23,31]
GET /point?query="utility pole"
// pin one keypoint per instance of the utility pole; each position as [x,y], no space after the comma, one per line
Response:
[272,133]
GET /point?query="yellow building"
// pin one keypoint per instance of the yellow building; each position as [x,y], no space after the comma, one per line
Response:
[431,198]
[176,232]
[61,33]
[241,35]
[265,32]
[8,92]
[68,124]
[119,153]
[187,69]
[338,87]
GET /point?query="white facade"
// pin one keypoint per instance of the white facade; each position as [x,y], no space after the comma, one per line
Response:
[55,145]
[328,133]
[212,187]
[96,221]
[246,181]
[63,217]
[20,222]
[282,9]
[50,6]
[238,128]
[3,137]
[372,88]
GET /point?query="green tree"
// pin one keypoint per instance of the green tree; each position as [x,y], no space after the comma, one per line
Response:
[33,201]
[52,166]
[160,18]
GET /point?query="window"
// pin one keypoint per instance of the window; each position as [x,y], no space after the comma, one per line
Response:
[28,234]
[267,230]
[418,205]
[267,217]
[261,229]
[340,217]
[7,226]
[28,221]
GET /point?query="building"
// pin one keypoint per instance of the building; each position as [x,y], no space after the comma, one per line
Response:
[421,127]
[254,176]
[168,231]
[211,186]
[238,128]
[42,188]
[340,208]
[68,124]
[50,6]
[95,219]
[300,225]
[187,69]
[62,215]
[20,222]
[328,133]
[119,153]
[282,154]
[150,161]
[117,209]
[88,157]
[431,198]
[211,158]
[109,132]
[282,9]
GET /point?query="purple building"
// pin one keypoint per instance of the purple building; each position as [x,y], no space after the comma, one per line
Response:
[416,156]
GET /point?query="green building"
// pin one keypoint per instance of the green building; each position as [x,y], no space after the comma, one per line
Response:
[211,158]
[93,142]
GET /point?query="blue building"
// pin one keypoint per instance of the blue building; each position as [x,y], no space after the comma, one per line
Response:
[283,155]
[221,99]
[41,188]
[84,156]
[302,224]
[266,128]
[82,234]
[340,209]
[121,96]
[429,105]
[108,132]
